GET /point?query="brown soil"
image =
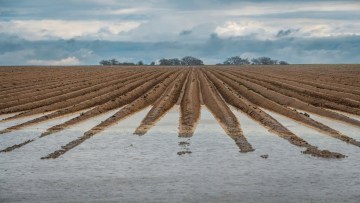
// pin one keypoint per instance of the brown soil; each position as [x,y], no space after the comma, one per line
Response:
[139,86]
[348,91]
[128,94]
[66,95]
[137,105]
[190,106]
[20,102]
[80,98]
[283,110]
[302,92]
[226,118]
[286,100]
[254,112]
[162,105]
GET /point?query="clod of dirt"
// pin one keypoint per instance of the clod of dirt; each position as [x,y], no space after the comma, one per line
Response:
[183,152]
[182,143]
[305,114]
[264,156]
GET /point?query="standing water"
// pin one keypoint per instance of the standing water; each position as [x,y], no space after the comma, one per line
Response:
[116,165]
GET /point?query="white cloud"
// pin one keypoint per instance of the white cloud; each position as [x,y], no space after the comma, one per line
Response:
[62,62]
[244,28]
[49,29]
[296,28]
[251,9]
[127,11]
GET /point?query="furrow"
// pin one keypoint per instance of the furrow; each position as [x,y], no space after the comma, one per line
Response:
[84,105]
[290,113]
[227,120]
[310,80]
[342,76]
[52,77]
[44,94]
[112,104]
[236,100]
[330,90]
[306,98]
[54,99]
[190,106]
[53,86]
[75,100]
[290,101]
[137,105]
[162,105]
[302,91]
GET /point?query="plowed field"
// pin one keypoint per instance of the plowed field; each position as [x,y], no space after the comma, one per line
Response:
[296,92]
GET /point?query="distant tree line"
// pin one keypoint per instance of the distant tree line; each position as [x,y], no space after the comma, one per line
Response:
[114,62]
[186,61]
[237,60]
[193,61]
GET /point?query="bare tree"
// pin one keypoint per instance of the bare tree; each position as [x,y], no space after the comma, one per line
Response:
[191,61]
[264,61]
[283,63]
[114,62]
[105,62]
[236,60]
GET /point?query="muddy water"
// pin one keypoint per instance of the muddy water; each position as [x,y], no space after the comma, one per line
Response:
[116,165]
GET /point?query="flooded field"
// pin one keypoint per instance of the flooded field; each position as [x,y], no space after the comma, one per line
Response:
[180,135]
[117,165]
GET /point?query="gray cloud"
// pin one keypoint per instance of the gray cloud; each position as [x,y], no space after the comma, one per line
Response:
[213,50]
[285,33]
[185,32]
[300,31]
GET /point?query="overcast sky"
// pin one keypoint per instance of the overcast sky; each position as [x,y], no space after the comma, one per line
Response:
[72,32]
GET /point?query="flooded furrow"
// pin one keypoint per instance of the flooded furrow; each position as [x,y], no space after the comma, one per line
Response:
[290,113]
[266,120]
[117,102]
[88,104]
[226,118]
[137,105]
[290,101]
[167,100]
